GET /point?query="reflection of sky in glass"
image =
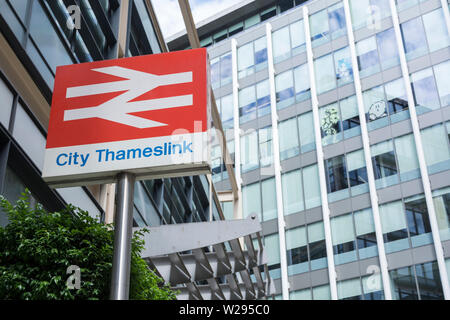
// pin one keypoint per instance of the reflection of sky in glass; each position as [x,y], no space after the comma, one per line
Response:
[414,38]
[388,48]
[424,90]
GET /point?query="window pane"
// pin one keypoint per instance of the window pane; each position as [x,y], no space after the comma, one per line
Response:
[312,192]
[429,281]
[260,53]
[292,192]
[384,164]
[343,65]
[336,174]
[297,250]
[435,29]
[319,28]
[350,117]
[6,98]
[441,71]
[297,32]
[408,164]
[325,76]
[301,79]
[317,247]
[251,200]
[29,136]
[288,139]
[301,295]
[418,222]
[306,132]
[225,69]
[281,44]
[322,293]
[349,289]
[269,199]
[357,172]
[397,100]
[263,98]
[435,148]
[403,284]
[265,146]
[441,199]
[47,39]
[372,287]
[247,104]
[330,124]
[226,107]
[285,89]
[245,59]
[249,152]
[376,108]
[365,234]
[424,91]
[272,247]
[414,38]
[343,237]
[367,57]
[393,224]
[387,46]
[336,17]
[359,10]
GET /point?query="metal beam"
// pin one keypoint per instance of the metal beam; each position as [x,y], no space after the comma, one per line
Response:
[195,43]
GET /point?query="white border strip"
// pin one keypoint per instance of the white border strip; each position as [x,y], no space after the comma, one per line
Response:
[277,165]
[237,204]
[368,157]
[320,161]
[421,157]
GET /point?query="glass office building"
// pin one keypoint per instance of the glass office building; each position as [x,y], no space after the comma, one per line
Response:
[337,116]
[36,36]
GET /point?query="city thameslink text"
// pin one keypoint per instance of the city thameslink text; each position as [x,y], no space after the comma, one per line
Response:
[107,155]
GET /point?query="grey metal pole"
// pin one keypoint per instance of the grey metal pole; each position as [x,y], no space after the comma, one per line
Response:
[123,228]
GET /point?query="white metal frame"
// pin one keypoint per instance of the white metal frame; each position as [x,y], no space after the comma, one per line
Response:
[368,157]
[320,159]
[277,165]
[420,155]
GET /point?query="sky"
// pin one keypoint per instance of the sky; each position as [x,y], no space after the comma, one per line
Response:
[170,18]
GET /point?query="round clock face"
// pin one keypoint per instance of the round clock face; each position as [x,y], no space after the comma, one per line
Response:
[377,110]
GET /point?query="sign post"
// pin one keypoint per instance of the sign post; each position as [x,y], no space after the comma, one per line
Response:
[123,229]
[129,119]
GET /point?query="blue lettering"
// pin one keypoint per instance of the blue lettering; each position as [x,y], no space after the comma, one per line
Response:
[59,156]
[100,154]
[158,151]
[187,147]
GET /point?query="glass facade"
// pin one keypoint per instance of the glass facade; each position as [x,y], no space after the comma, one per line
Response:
[386,104]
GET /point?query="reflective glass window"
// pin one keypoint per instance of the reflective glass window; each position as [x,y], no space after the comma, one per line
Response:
[249,151]
[285,94]
[289,146]
[394,227]
[251,200]
[425,92]
[297,250]
[368,60]
[349,289]
[387,47]
[343,66]
[365,234]
[265,146]
[312,192]
[7,98]
[325,74]
[441,72]
[408,164]
[435,148]
[317,247]
[336,171]
[269,199]
[301,80]
[418,222]
[441,199]
[414,39]
[343,238]
[384,164]
[435,29]
[306,132]
[292,192]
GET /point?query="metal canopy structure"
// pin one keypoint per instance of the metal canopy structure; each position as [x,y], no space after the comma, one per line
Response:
[205,260]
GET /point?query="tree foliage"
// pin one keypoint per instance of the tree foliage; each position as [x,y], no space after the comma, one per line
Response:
[37,247]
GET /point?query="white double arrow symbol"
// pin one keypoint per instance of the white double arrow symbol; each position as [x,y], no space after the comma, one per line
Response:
[119,108]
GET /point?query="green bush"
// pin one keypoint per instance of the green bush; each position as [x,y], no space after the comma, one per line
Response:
[37,247]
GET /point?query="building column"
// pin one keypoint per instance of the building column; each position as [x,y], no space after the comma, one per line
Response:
[368,157]
[277,167]
[445,5]
[420,154]
[237,203]
[320,160]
